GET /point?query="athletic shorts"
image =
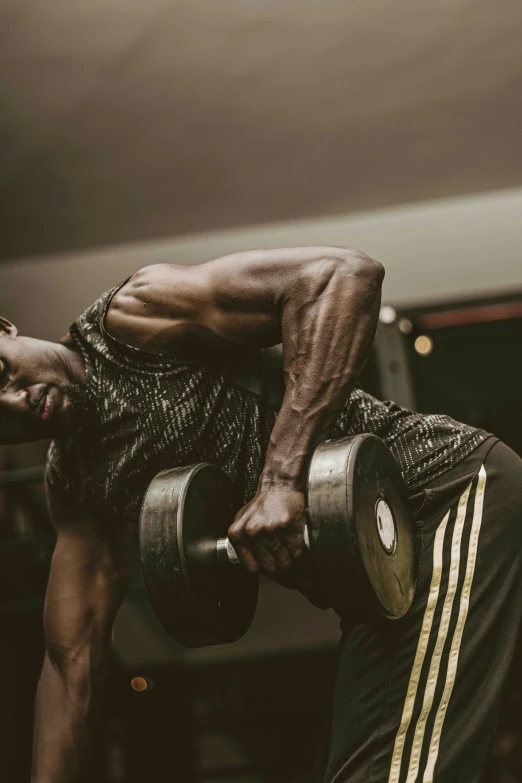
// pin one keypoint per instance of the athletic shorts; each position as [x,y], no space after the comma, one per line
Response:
[416,699]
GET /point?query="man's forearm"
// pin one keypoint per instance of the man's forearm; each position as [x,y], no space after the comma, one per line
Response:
[328,326]
[66,713]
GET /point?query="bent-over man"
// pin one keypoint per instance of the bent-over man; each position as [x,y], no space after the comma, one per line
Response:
[158,373]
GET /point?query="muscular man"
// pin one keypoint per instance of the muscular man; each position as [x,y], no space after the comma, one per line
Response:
[174,367]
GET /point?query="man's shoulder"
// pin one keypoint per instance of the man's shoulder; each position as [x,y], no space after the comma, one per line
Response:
[91,320]
[157,309]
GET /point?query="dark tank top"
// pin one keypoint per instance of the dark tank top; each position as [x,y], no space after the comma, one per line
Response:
[148,412]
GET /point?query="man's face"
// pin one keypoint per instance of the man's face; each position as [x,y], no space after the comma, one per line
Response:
[38,396]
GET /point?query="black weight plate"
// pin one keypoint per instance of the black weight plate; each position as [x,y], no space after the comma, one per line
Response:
[198,600]
[361,531]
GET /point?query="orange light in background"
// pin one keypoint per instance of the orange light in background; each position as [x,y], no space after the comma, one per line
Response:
[140,684]
[424,345]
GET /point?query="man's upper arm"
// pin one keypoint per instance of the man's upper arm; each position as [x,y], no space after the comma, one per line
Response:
[234,300]
[165,307]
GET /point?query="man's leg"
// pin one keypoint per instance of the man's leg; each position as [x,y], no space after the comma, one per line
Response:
[416,700]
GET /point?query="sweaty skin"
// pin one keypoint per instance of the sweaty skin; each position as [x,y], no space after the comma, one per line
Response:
[322,303]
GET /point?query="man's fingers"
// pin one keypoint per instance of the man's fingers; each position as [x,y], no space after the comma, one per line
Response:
[296,545]
[253,550]
[272,547]
[282,557]
[270,554]
[247,558]
[266,559]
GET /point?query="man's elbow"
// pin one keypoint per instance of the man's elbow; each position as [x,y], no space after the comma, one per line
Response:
[359,264]
[81,660]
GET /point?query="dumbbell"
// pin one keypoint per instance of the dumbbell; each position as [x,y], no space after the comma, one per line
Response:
[359,532]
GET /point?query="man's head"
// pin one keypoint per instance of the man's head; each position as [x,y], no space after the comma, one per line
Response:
[41,387]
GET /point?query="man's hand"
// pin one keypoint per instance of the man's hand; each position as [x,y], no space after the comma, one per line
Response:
[268,533]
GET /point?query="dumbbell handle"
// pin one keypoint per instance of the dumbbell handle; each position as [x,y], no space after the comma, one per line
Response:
[227,554]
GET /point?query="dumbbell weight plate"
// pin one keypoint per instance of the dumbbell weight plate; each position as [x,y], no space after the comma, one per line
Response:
[361,531]
[198,600]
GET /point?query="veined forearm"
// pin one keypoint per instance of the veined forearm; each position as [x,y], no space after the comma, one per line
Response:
[66,713]
[328,326]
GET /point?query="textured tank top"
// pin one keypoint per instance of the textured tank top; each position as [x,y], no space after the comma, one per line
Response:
[148,412]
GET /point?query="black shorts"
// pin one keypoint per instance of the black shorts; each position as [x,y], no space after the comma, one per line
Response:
[416,699]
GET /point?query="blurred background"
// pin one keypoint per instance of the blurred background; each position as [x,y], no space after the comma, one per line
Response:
[133,133]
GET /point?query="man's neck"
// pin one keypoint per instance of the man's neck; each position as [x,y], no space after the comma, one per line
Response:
[71,359]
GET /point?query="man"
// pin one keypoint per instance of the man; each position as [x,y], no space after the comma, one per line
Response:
[169,369]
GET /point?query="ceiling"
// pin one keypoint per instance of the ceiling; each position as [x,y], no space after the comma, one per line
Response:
[128,120]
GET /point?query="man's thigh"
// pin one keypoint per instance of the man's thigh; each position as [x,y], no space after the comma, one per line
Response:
[416,699]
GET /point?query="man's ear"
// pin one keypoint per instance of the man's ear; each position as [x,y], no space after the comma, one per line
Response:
[6,327]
